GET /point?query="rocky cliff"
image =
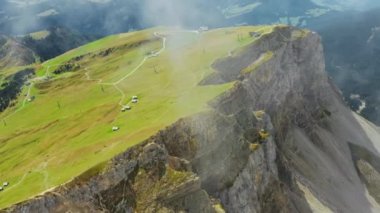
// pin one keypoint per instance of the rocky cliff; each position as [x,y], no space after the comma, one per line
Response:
[318,156]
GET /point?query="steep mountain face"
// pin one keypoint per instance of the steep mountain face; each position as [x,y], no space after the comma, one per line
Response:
[13,53]
[319,155]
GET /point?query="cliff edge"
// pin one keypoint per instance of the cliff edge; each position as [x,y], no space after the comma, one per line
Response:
[316,156]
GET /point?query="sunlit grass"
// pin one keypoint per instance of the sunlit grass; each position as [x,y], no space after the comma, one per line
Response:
[40,34]
[67,129]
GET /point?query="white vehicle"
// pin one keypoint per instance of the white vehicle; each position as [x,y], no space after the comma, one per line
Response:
[125,108]
[115,128]
[1,189]
[134,97]
[134,101]
[5,184]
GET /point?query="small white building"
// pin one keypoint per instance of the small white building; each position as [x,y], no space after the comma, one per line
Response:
[30,99]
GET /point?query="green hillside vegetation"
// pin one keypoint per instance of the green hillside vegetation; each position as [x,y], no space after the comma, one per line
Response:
[40,34]
[6,72]
[67,128]
[265,57]
[54,41]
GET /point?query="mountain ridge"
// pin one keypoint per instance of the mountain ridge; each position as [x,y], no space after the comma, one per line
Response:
[204,163]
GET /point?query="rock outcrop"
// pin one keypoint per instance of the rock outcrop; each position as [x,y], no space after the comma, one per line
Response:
[204,163]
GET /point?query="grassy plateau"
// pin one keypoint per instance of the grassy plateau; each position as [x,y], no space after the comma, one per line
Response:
[67,128]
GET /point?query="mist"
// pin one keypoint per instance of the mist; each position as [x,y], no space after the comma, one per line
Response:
[103,17]
[181,13]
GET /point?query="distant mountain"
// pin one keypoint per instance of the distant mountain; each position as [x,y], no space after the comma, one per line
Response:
[14,53]
[103,17]
[352,47]
[87,17]
[57,41]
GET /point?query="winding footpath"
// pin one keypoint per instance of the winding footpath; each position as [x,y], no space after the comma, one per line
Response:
[27,95]
[116,83]
[100,81]
[41,169]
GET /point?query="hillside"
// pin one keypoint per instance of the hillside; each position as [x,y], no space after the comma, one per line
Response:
[14,58]
[343,25]
[14,53]
[54,41]
[77,98]
[194,141]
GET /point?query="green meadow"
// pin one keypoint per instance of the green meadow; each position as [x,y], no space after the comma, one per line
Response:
[40,34]
[67,128]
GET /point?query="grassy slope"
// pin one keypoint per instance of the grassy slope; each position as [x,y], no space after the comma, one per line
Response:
[4,73]
[43,146]
[40,34]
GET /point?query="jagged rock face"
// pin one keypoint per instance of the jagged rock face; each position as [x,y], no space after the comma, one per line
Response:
[313,128]
[153,159]
[205,160]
